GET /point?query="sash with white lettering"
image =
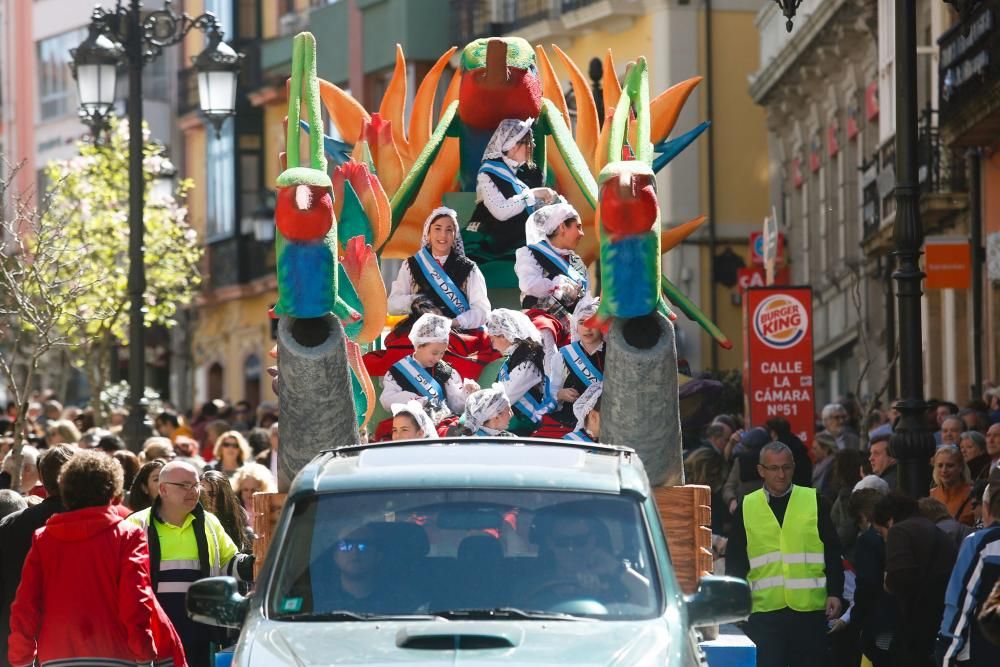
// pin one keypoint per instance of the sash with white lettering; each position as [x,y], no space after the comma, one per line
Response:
[576,358]
[441,282]
[564,267]
[529,406]
[578,436]
[421,379]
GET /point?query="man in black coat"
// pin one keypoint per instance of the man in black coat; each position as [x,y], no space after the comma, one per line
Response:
[17,531]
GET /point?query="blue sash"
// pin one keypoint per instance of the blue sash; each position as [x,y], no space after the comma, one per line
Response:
[576,358]
[421,380]
[442,283]
[551,254]
[500,169]
[578,436]
[528,406]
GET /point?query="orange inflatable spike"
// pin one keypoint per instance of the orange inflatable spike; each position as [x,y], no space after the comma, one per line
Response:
[384,152]
[665,108]
[550,84]
[671,238]
[612,88]
[451,94]
[361,267]
[346,112]
[587,130]
[421,117]
[566,185]
[442,177]
[393,105]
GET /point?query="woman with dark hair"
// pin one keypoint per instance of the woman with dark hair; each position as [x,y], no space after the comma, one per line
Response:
[849,466]
[145,487]
[523,372]
[218,497]
[89,570]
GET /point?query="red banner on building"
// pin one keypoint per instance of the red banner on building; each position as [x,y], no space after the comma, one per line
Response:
[778,357]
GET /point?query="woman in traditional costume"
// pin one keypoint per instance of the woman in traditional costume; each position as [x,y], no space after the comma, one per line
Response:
[424,376]
[587,410]
[523,372]
[409,421]
[577,367]
[506,190]
[487,413]
[439,279]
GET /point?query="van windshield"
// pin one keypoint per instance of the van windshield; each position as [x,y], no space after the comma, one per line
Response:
[465,553]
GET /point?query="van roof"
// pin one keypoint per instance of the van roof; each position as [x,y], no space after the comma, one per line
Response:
[475,462]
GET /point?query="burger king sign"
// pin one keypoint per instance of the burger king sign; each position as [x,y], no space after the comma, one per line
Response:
[778,364]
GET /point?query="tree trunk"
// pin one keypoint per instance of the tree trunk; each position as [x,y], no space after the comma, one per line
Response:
[97,367]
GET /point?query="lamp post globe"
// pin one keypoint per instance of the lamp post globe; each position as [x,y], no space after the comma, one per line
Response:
[95,67]
[218,67]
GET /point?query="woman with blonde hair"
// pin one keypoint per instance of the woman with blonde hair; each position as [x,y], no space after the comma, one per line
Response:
[249,479]
[952,483]
[62,432]
[231,452]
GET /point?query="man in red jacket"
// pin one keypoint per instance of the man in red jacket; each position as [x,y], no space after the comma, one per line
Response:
[85,595]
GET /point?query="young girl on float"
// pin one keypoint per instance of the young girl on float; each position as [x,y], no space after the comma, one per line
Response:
[439,279]
[409,421]
[577,367]
[552,277]
[424,377]
[506,191]
[523,372]
[488,413]
[587,411]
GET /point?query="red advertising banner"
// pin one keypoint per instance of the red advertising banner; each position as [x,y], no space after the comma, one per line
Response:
[778,357]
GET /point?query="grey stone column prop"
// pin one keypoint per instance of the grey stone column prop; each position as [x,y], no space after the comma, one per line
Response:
[639,405]
[315,397]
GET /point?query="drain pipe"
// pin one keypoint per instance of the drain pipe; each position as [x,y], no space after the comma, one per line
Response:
[978,258]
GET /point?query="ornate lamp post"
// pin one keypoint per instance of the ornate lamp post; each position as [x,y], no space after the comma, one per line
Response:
[124,36]
[912,444]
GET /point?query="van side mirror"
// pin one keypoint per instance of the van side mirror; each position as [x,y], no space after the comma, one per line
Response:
[718,600]
[217,601]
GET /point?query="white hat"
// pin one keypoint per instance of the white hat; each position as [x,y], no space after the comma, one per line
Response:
[513,325]
[444,212]
[484,405]
[584,405]
[505,137]
[430,328]
[415,410]
[545,221]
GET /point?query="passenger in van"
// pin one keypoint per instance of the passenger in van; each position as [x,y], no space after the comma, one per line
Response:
[523,371]
[362,585]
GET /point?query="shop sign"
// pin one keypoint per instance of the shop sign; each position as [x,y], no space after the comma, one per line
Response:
[948,262]
[778,357]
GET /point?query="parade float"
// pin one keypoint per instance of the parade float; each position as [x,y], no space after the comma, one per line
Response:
[358,201]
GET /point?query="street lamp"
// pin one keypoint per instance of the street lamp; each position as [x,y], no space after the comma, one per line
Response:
[127,36]
[912,443]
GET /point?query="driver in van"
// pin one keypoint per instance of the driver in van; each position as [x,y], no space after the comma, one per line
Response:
[576,562]
[362,585]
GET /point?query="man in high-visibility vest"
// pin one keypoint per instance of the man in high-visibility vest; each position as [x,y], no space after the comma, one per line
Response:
[186,543]
[784,543]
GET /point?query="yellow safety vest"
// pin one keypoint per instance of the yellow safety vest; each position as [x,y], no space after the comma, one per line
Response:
[786,561]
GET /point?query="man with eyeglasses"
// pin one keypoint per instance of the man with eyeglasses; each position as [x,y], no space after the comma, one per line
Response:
[784,543]
[835,423]
[186,543]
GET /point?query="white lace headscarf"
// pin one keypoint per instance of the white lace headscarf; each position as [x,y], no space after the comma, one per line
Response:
[430,328]
[506,136]
[585,309]
[513,325]
[584,405]
[484,405]
[443,212]
[545,221]
[415,410]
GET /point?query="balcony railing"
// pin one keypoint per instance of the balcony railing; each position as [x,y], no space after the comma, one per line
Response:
[940,170]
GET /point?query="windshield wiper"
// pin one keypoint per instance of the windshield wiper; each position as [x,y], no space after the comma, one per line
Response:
[505,612]
[344,615]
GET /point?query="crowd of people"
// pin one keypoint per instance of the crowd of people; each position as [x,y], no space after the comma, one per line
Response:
[843,567]
[90,520]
